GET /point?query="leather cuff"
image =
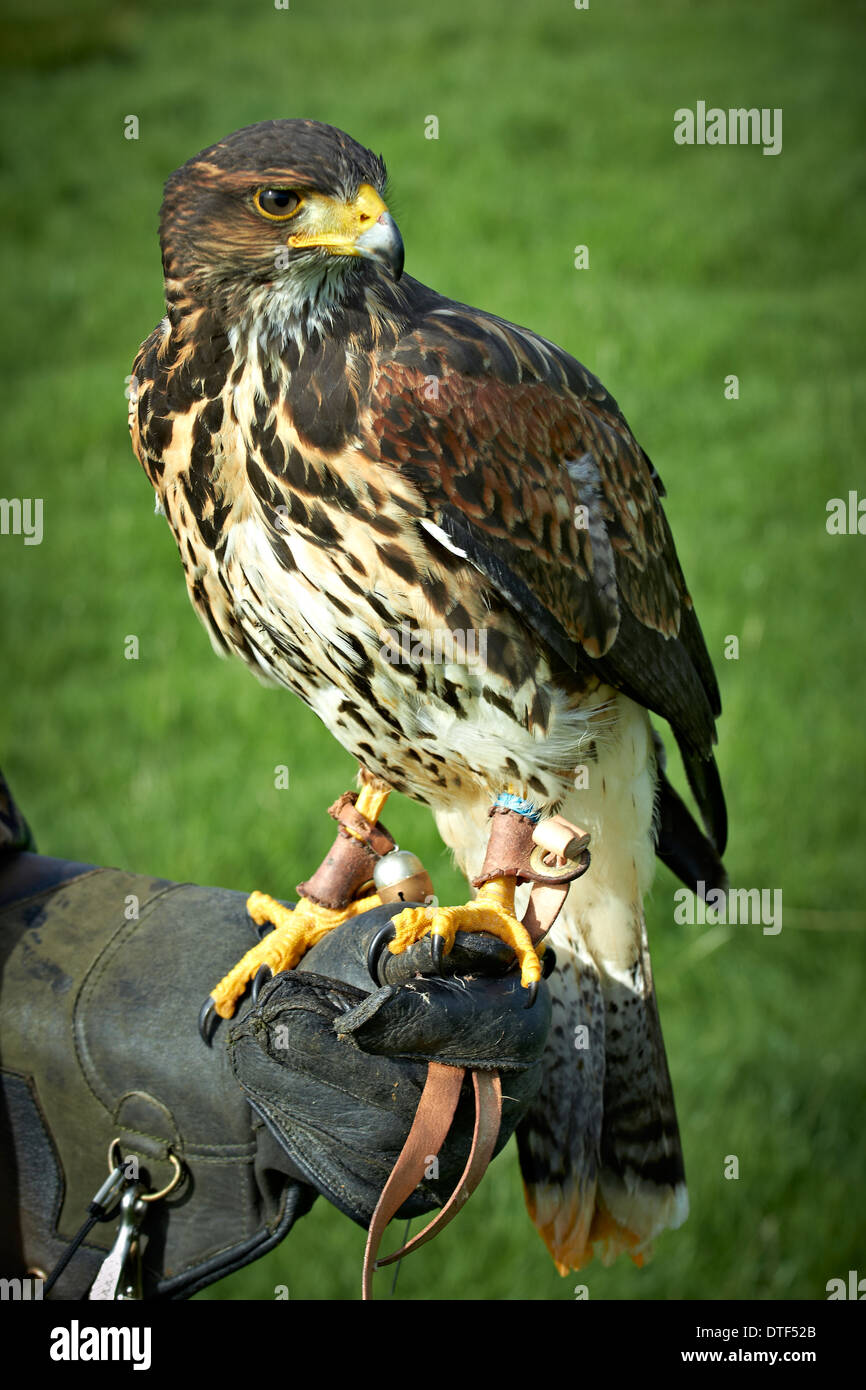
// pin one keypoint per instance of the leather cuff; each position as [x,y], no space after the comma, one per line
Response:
[519,849]
[350,861]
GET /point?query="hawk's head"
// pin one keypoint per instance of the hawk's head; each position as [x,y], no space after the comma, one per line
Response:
[281,218]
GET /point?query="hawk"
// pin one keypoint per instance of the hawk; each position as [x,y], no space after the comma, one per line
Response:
[356,468]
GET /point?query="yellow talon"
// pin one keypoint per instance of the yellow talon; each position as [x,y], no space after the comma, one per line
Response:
[296,931]
[492,911]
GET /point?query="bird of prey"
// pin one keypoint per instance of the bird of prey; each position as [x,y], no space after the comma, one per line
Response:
[355,467]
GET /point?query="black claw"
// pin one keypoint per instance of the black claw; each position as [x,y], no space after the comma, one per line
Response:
[548,963]
[375,949]
[437,951]
[206,1017]
[532,992]
[263,974]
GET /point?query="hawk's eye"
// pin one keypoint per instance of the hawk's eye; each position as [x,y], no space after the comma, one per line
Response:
[276,202]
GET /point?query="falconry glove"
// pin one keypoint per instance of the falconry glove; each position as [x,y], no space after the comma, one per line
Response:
[313,1088]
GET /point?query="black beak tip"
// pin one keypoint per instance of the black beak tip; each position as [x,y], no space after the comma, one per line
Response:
[397,257]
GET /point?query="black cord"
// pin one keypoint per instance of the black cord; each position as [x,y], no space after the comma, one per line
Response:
[97,1211]
[70,1250]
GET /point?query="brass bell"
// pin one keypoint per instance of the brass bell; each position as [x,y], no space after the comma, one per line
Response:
[401,877]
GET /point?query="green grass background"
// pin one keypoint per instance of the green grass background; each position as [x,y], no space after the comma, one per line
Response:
[555,129]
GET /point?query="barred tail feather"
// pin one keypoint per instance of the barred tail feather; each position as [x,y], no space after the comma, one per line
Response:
[600,1149]
[642,1172]
[559,1140]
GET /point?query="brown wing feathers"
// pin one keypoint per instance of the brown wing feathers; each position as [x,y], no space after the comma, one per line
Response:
[527,465]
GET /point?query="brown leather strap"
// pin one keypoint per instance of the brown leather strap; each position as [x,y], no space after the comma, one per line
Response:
[508,847]
[345,812]
[554,851]
[488,1117]
[545,903]
[350,861]
[426,1137]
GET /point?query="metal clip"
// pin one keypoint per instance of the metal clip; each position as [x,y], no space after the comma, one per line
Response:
[103,1207]
[119,1276]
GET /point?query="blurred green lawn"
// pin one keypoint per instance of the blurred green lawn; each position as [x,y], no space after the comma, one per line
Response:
[555,129]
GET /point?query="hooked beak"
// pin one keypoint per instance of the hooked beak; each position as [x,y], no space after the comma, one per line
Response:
[383,243]
[363,227]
